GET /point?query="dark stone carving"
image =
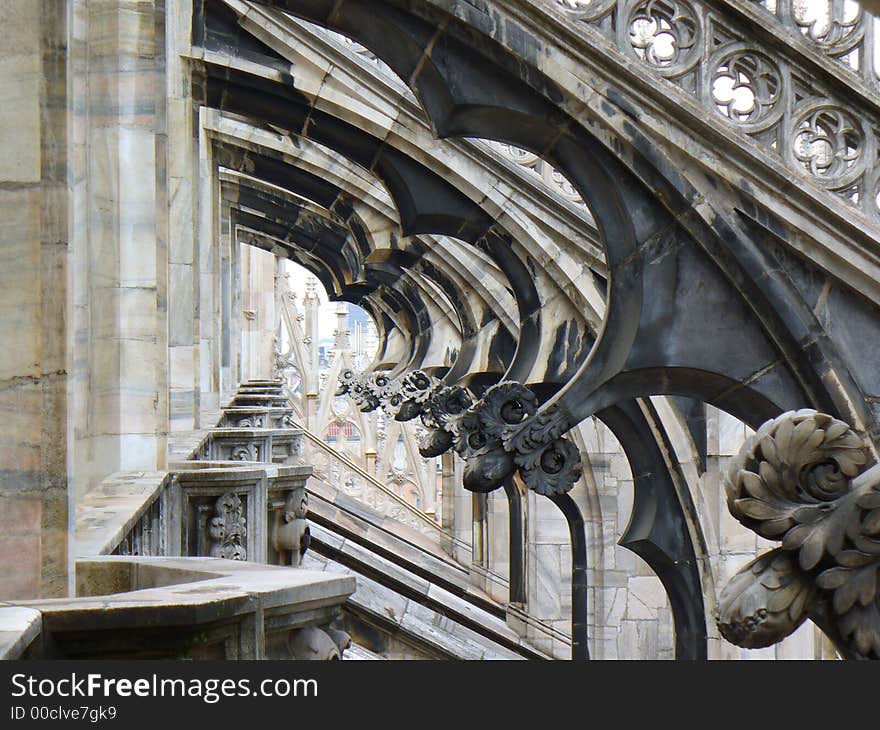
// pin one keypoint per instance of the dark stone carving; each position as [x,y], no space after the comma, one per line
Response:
[356,387]
[801,479]
[498,434]
[441,416]
[513,433]
[311,643]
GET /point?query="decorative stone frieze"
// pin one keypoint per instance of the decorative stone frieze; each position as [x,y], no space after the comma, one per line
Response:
[770,94]
[802,480]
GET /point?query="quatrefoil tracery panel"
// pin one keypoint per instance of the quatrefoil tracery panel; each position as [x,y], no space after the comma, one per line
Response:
[758,91]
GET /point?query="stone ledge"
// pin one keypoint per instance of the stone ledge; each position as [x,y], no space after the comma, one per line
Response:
[171,592]
[108,513]
[19,627]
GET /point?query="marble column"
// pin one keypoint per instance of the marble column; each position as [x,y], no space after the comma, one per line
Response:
[119,234]
[186,260]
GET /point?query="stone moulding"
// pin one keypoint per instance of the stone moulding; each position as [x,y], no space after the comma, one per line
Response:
[802,479]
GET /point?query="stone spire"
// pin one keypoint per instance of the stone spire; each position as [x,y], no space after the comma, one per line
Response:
[342,334]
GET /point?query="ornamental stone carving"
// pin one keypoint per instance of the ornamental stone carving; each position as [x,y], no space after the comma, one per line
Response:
[245,452]
[315,644]
[838,32]
[441,418]
[664,34]
[746,86]
[801,480]
[505,431]
[770,93]
[291,536]
[828,141]
[227,529]
[367,392]
[502,432]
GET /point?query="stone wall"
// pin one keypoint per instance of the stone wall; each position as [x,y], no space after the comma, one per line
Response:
[34,296]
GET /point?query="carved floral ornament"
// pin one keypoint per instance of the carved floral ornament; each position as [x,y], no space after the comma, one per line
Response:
[802,480]
[496,435]
[760,91]
[828,142]
[227,529]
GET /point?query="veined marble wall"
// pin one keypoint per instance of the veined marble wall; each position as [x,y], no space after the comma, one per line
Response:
[97,167]
[119,235]
[258,269]
[34,360]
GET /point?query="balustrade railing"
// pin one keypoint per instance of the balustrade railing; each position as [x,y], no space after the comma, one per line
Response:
[344,475]
[718,51]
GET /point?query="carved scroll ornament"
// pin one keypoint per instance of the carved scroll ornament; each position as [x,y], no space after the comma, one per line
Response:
[801,479]
[227,529]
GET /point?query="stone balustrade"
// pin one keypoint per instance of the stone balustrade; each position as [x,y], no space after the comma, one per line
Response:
[265,400]
[181,608]
[256,417]
[273,445]
[240,498]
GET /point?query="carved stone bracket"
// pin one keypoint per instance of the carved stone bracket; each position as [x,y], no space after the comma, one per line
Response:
[291,536]
[227,529]
[801,479]
[441,416]
[316,644]
[496,435]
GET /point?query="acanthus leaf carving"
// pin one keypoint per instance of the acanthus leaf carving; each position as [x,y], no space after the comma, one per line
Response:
[801,480]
